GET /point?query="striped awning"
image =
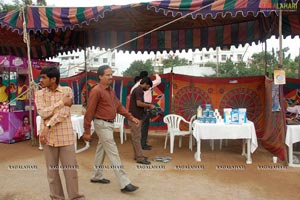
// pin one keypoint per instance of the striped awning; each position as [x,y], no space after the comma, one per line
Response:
[210,23]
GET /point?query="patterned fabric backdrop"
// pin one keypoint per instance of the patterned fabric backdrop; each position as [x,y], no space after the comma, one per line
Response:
[246,92]
[182,94]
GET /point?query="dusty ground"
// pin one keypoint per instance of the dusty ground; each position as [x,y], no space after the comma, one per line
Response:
[175,181]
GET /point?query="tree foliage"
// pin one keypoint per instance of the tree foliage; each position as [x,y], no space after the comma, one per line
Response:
[262,63]
[173,61]
[16,4]
[137,66]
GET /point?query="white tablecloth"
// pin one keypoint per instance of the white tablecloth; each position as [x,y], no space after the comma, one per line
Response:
[226,131]
[77,124]
[292,136]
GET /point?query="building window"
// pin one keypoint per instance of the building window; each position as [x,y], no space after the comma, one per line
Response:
[223,57]
[76,57]
[104,60]
[215,57]
[207,56]
[113,64]
[96,60]
[64,58]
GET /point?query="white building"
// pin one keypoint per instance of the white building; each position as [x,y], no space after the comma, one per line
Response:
[199,59]
[74,63]
[191,70]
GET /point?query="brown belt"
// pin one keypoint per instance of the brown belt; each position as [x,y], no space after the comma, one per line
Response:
[107,120]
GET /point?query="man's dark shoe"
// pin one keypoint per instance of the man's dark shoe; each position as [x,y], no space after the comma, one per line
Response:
[129,188]
[145,157]
[146,148]
[103,181]
[144,162]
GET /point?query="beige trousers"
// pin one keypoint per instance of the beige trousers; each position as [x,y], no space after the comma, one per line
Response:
[107,146]
[136,140]
[68,164]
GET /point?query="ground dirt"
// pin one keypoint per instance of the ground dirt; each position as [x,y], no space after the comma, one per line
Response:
[222,174]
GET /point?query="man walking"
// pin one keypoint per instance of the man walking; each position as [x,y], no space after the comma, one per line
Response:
[53,104]
[102,107]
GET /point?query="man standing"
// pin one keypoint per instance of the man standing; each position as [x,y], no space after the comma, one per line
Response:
[53,104]
[147,99]
[3,92]
[102,107]
[137,108]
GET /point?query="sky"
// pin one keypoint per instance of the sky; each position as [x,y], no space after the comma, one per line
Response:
[123,60]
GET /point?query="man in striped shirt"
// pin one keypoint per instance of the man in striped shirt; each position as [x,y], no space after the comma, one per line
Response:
[53,104]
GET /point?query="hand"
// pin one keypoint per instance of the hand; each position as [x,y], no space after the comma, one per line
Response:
[67,100]
[152,106]
[44,136]
[136,121]
[86,137]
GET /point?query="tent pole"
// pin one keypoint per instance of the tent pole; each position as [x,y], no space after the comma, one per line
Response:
[86,78]
[266,73]
[281,95]
[26,38]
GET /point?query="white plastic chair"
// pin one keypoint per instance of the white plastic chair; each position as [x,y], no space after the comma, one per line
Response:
[173,122]
[119,123]
[192,142]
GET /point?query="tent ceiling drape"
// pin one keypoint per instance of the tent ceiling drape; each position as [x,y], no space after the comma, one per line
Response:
[213,23]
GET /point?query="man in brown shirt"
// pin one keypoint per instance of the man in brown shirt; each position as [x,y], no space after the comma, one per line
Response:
[102,107]
[137,107]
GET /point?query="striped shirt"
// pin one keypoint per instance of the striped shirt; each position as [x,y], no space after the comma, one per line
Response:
[53,112]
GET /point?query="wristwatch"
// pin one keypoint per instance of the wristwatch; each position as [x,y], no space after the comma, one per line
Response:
[48,125]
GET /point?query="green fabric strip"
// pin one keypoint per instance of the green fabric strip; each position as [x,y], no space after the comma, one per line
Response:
[185,4]
[50,17]
[80,14]
[219,35]
[229,4]
[161,40]
[189,39]
[14,18]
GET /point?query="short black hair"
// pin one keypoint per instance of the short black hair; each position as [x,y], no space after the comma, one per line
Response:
[51,72]
[143,74]
[136,79]
[101,69]
[147,80]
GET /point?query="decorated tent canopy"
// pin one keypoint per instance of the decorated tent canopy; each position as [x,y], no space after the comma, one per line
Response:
[211,23]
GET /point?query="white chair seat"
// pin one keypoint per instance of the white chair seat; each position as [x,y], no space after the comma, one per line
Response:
[173,122]
[119,124]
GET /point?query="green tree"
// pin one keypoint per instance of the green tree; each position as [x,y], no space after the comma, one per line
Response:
[172,61]
[18,3]
[137,66]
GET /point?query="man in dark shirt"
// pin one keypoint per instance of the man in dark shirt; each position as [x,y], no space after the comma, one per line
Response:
[102,106]
[137,108]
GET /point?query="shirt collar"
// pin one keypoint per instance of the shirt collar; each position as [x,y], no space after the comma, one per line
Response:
[59,89]
[104,87]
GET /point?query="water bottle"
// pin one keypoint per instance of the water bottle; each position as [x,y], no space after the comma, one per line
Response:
[199,112]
